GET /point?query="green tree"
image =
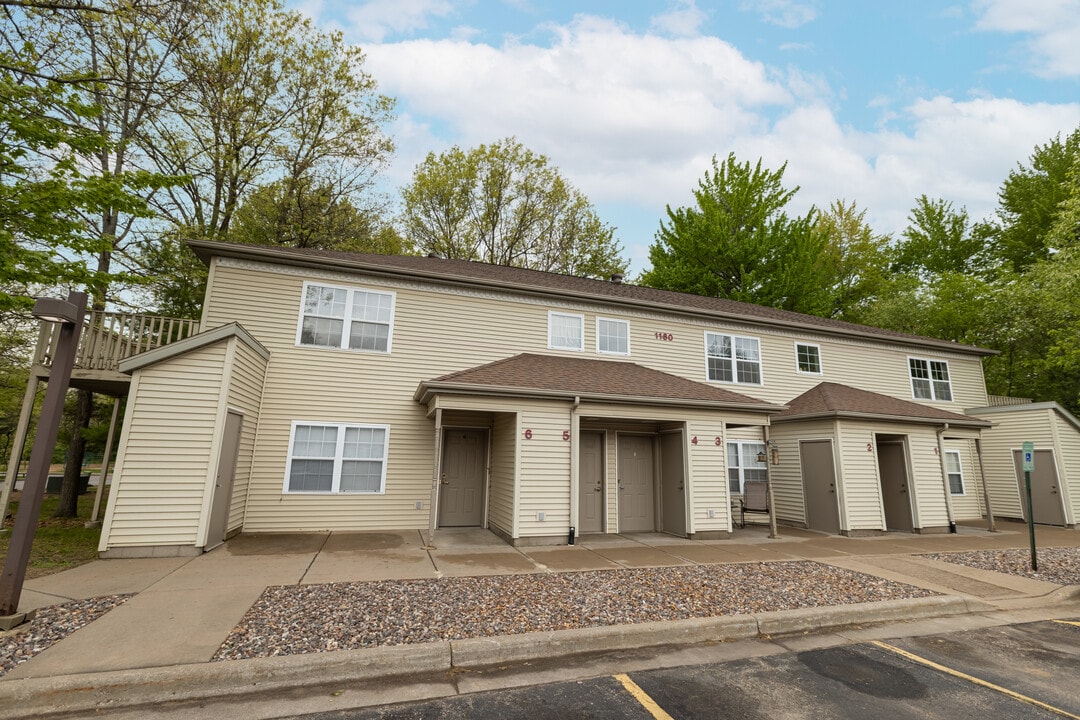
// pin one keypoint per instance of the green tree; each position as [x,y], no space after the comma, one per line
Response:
[860,260]
[506,205]
[738,242]
[1030,200]
[940,240]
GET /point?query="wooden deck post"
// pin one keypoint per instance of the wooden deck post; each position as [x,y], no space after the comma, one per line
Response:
[18,443]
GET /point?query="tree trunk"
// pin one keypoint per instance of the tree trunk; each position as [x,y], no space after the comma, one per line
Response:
[69,488]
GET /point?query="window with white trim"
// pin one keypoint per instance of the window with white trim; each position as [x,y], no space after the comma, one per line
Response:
[808,358]
[730,358]
[954,471]
[612,336]
[929,379]
[337,458]
[347,318]
[743,464]
[566,331]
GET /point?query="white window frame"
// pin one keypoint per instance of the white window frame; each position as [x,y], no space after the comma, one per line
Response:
[581,324]
[339,452]
[735,359]
[798,364]
[746,449]
[959,472]
[928,363]
[347,317]
[624,323]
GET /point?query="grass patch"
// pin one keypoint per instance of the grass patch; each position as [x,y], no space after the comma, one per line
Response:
[58,544]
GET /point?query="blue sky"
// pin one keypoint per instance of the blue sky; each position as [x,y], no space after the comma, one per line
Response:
[876,101]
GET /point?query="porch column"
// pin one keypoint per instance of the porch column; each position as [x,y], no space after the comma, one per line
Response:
[105,464]
[945,477]
[768,483]
[575,479]
[986,493]
[436,473]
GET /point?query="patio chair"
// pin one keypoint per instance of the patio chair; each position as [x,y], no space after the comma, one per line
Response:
[755,499]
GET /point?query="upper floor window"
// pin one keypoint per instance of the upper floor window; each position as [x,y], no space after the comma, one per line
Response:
[930,379]
[337,458]
[954,471]
[808,358]
[346,318]
[743,464]
[612,336]
[730,358]
[566,331]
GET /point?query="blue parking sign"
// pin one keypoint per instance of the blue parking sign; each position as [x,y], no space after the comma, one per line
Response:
[1029,456]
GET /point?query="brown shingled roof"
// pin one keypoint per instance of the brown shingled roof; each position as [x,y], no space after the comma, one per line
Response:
[836,400]
[554,376]
[521,280]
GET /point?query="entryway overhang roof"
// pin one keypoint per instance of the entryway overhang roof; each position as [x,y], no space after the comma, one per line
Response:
[553,377]
[833,400]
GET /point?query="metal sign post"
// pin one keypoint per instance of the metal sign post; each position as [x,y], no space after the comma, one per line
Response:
[1029,465]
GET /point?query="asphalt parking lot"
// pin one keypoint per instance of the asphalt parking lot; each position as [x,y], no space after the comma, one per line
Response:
[1020,671]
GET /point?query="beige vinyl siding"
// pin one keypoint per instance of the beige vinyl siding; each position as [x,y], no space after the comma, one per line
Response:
[968,506]
[1068,442]
[1010,431]
[166,452]
[708,475]
[858,481]
[504,446]
[787,475]
[245,394]
[439,330]
[544,469]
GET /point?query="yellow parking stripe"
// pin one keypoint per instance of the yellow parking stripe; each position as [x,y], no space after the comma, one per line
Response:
[643,697]
[1067,622]
[971,678]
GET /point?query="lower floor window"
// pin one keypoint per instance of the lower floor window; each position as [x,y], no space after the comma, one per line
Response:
[954,471]
[337,458]
[743,464]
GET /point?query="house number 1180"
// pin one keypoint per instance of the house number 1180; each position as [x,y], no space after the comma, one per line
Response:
[668,337]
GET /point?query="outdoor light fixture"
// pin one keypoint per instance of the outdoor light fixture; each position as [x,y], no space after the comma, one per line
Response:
[68,314]
[773,456]
[55,310]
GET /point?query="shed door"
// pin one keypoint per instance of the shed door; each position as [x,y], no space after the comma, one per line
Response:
[672,484]
[1046,497]
[894,485]
[636,504]
[819,486]
[218,526]
[591,483]
[461,494]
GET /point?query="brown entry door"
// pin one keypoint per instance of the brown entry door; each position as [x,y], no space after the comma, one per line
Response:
[1045,490]
[672,484]
[461,494]
[636,505]
[895,491]
[591,483]
[218,526]
[819,486]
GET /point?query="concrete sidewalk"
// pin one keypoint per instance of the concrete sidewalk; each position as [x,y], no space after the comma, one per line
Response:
[162,639]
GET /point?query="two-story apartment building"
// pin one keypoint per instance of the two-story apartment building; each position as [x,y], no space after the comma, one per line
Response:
[339,391]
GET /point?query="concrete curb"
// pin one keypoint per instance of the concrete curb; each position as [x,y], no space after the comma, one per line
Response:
[92,692]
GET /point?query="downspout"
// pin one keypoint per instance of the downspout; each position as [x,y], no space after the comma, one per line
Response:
[768,483]
[575,479]
[945,477]
[436,471]
[986,492]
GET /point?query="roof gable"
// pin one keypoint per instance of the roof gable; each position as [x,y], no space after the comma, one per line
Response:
[835,400]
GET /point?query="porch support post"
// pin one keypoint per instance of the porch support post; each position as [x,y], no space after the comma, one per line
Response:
[575,478]
[768,483]
[945,477]
[986,493]
[436,474]
[18,443]
[105,464]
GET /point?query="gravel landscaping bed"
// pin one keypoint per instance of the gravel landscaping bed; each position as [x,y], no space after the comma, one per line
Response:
[293,619]
[51,625]
[1056,565]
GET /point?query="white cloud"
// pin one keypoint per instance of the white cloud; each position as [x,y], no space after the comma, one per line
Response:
[785,13]
[1053,27]
[684,19]
[374,20]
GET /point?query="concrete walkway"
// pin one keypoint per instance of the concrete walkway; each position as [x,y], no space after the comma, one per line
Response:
[183,608]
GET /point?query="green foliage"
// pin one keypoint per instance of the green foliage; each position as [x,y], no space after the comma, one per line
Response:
[940,240]
[737,242]
[1031,199]
[504,204]
[859,258]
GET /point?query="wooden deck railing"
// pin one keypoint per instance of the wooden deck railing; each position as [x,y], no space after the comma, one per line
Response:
[109,337]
